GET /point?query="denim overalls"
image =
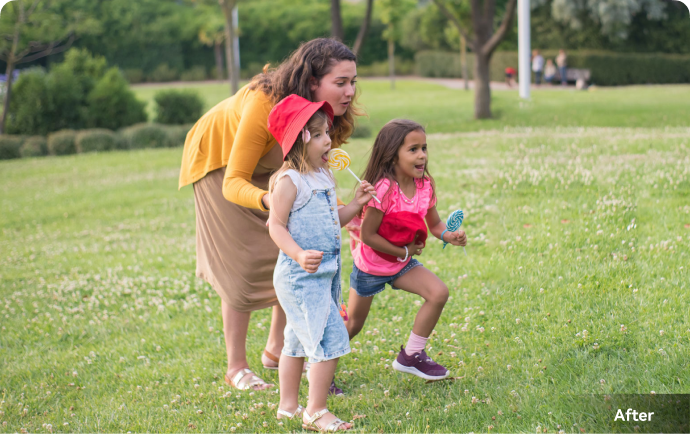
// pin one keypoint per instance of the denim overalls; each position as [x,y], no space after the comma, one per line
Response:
[314,326]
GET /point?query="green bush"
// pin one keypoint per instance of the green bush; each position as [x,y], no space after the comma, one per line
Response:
[76,94]
[196,73]
[178,106]
[606,68]
[34,146]
[613,69]
[177,134]
[10,146]
[62,142]
[163,73]
[112,104]
[133,75]
[146,136]
[97,140]
[28,104]
[381,69]
[361,131]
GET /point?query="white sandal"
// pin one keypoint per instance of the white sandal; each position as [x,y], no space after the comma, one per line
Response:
[280,414]
[332,427]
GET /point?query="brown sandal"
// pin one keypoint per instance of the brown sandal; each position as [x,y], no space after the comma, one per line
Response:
[272,358]
[251,384]
[275,359]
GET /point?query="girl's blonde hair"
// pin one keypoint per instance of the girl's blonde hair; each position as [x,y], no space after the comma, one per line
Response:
[384,156]
[297,156]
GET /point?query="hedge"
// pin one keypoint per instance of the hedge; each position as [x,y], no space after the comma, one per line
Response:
[62,142]
[606,68]
[34,146]
[141,136]
[178,106]
[10,146]
[66,142]
[98,140]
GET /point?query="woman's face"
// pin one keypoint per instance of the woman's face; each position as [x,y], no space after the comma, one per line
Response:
[337,87]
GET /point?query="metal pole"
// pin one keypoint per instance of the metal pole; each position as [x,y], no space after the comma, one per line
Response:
[236,39]
[524,73]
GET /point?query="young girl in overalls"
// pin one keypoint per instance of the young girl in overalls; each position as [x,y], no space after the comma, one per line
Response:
[305,223]
[394,231]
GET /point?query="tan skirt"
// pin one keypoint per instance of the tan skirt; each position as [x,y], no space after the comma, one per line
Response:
[235,253]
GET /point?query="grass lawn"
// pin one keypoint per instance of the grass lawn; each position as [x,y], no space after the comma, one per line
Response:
[576,280]
[447,110]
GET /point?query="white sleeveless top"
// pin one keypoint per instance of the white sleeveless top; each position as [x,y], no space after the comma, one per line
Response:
[321,180]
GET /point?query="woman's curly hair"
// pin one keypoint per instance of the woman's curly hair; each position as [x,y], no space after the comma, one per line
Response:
[313,59]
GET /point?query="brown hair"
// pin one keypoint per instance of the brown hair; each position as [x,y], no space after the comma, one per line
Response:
[313,59]
[384,155]
[296,158]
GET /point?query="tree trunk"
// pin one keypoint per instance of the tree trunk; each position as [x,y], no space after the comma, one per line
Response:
[218,53]
[363,28]
[464,63]
[8,89]
[336,22]
[392,66]
[228,6]
[482,91]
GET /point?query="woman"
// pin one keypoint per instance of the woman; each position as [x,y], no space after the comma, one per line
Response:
[229,156]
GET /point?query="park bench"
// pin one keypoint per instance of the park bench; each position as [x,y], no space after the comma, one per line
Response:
[575,74]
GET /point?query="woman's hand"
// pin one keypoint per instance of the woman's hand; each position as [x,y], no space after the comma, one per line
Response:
[456,238]
[309,260]
[364,193]
[265,201]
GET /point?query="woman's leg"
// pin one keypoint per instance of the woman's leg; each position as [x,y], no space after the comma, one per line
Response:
[320,380]
[274,344]
[358,309]
[427,285]
[289,376]
[235,325]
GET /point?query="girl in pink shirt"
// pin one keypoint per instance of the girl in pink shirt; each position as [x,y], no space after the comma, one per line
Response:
[392,233]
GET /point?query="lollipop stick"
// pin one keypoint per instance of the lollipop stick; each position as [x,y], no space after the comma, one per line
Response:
[358,179]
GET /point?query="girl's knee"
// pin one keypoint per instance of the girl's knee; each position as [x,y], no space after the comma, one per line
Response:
[438,294]
[354,326]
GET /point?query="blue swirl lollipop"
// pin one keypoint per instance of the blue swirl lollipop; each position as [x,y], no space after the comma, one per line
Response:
[453,223]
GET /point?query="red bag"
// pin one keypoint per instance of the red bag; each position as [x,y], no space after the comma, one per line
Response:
[400,229]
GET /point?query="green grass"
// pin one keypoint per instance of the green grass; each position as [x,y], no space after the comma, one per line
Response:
[104,326]
[447,110]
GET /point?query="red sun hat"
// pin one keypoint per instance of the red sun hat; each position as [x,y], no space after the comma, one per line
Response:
[290,116]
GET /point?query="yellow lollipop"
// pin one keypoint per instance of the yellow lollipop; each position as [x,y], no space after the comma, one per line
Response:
[339,160]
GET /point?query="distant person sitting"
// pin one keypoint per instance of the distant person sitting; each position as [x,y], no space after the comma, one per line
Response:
[510,73]
[550,71]
[538,65]
[561,64]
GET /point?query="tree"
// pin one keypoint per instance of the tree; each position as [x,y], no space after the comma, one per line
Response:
[212,33]
[393,12]
[336,21]
[363,28]
[232,55]
[32,29]
[483,42]
[614,17]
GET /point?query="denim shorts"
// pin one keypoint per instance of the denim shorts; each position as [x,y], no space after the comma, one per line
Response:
[367,285]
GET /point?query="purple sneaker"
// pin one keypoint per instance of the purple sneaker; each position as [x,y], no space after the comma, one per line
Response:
[419,364]
[334,390]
